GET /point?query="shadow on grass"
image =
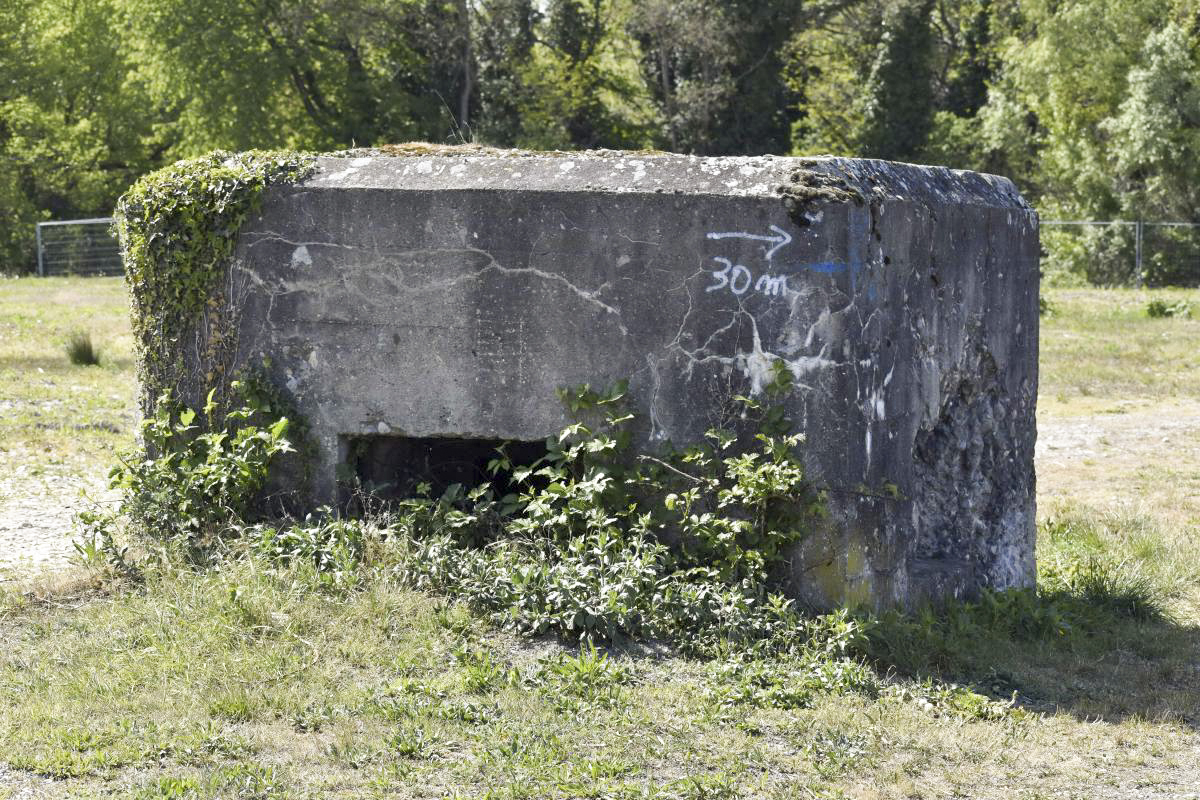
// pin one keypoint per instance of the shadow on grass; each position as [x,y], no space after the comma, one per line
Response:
[1097,656]
[61,363]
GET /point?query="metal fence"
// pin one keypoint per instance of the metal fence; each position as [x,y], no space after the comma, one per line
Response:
[78,247]
[1123,253]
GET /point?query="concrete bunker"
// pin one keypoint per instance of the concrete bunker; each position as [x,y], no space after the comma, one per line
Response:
[421,306]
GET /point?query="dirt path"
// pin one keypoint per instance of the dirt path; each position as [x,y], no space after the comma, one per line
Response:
[37,510]
[21,785]
[1129,453]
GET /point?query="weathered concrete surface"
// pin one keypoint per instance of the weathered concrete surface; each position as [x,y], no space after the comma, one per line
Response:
[450,294]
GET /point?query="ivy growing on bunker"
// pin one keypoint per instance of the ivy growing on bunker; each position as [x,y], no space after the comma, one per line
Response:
[177,229]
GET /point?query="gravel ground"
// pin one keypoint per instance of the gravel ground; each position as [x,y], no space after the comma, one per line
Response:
[37,514]
[22,785]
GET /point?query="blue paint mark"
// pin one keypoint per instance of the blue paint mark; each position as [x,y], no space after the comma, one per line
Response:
[828,267]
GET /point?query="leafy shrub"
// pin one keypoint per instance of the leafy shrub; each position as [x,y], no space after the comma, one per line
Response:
[1101,587]
[1100,255]
[80,350]
[333,547]
[194,488]
[598,542]
[1159,309]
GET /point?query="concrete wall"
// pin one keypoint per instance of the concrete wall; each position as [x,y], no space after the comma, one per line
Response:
[450,294]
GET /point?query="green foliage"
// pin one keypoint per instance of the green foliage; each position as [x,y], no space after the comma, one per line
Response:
[598,542]
[1091,106]
[481,672]
[823,661]
[1079,572]
[177,229]
[833,754]
[1102,121]
[588,679]
[714,70]
[1155,132]
[80,350]
[243,780]
[333,547]
[947,637]
[1159,308]
[73,129]
[1099,255]
[899,109]
[507,33]
[196,486]
[955,702]
[1079,594]
[1104,587]
[580,90]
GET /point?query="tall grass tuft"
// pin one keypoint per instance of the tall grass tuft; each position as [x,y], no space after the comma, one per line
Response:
[1102,585]
[81,351]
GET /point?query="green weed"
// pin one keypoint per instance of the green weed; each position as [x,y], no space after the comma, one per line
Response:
[194,491]
[80,350]
[1159,308]
[589,677]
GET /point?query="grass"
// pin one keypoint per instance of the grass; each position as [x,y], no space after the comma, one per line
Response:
[241,673]
[252,682]
[54,416]
[80,350]
[1103,345]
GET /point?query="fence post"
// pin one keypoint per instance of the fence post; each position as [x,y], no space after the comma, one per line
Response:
[41,266]
[1138,251]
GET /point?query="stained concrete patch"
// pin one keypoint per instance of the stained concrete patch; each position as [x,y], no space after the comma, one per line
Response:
[449,293]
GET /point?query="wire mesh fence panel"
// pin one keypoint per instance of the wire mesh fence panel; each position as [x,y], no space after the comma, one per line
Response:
[1101,253]
[1122,253]
[78,247]
[1170,254]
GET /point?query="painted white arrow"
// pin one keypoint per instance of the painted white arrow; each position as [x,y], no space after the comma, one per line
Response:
[780,241]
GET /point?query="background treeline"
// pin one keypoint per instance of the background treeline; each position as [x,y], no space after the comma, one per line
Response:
[1092,106]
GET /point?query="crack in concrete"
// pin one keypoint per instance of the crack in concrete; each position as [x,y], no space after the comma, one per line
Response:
[589,296]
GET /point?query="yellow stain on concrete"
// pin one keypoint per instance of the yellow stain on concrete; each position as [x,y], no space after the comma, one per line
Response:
[845,580]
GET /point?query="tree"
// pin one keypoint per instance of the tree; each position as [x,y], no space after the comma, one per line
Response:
[582,86]
[504,52]
[73,128]
[828,64]
[1155,133]
[715,68]
[1065,65]
[898,114]
[317,74]
[687,63]
[1155,151]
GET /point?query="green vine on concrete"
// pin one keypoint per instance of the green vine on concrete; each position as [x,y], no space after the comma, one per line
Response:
[177,228]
